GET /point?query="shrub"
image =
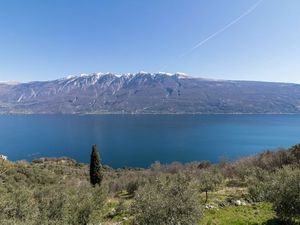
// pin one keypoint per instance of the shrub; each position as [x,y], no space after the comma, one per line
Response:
[295,151]
[259,185]
[282,189]
[17,206]
[209,180]
[286,194]
[25,199]
[132,187]
[166,201]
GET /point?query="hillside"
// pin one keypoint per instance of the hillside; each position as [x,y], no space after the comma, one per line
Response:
[262,189]
[148,93]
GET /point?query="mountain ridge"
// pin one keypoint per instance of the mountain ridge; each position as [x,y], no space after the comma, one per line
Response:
[148,93]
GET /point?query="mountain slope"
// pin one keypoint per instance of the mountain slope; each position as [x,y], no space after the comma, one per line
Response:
[148,93]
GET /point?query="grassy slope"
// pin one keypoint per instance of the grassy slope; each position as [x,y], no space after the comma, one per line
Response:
[74,175]
[256,214]
[240,215]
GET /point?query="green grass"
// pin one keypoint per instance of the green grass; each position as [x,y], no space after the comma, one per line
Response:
[259,214]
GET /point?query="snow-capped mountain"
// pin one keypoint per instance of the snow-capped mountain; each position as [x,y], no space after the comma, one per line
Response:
[148,93]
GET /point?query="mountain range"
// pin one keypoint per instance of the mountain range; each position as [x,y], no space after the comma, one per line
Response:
[141,93]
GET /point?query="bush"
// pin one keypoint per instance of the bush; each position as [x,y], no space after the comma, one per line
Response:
[259,185]
[17,206]
[166,201]
[295,151]
[286,194]
[132,187]
[47,193]
[209,180]
[282,189]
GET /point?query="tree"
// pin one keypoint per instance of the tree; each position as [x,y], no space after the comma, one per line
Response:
[295,150]
[95,167]
[209,179]
[166,201]
[282,189]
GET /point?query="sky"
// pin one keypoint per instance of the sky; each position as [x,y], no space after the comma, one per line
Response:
[232,39]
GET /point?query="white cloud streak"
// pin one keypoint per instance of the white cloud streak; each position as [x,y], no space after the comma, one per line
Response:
[218,32]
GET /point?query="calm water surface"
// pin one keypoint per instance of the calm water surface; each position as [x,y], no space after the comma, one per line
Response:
[139,140]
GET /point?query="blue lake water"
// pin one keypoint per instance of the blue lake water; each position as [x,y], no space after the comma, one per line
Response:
[139,140]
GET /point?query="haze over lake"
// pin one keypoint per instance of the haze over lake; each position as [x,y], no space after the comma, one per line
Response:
[140,140]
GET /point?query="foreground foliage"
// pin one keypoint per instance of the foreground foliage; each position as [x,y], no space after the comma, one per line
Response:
[37,194]
[166,201]
[282,188]
[264,189]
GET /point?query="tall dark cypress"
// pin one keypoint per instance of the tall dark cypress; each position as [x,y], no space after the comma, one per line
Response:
[95,167]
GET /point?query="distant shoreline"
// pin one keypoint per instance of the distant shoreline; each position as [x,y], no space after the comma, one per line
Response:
[118,113]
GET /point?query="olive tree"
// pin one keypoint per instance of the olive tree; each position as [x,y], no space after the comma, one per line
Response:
[209,180]
[282,189]
[166,201]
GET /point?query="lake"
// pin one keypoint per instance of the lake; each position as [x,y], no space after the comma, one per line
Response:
[140,140]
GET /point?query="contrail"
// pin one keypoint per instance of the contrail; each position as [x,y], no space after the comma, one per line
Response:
[226,27]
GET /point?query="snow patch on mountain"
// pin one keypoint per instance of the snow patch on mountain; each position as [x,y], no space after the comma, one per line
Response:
[10,82]
[97,76]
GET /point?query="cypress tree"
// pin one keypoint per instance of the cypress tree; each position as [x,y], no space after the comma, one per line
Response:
[95,167]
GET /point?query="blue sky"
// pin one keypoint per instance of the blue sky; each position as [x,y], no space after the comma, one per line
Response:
[42,40]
